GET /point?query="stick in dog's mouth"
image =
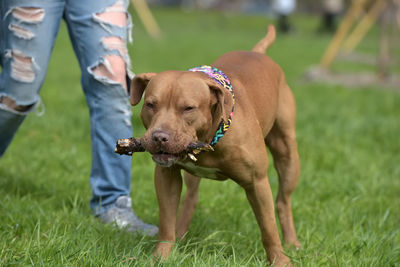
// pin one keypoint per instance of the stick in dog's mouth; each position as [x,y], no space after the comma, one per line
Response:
[128,146]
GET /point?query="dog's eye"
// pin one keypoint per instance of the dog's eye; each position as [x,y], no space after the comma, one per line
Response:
[149,105]
[189,108]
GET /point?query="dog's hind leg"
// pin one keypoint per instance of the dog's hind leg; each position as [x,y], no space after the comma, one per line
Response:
[259,195]
[282,143]
[189,204]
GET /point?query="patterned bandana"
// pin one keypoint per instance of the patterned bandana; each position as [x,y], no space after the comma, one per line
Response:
[223,80]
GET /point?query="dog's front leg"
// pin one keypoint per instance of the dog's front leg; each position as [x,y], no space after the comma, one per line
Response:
[189,204]
[168,183]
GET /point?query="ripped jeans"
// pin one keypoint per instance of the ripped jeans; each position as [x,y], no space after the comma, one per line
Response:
[99,30]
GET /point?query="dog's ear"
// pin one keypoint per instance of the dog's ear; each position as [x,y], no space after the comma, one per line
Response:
[224,101]
[138,85]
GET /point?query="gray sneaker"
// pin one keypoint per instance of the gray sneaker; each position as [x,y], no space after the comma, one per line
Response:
[124,217]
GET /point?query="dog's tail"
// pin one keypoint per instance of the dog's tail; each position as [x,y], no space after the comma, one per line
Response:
[266,42]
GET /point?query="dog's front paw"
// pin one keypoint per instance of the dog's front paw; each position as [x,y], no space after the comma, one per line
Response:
[282,262]
[276,258]
[163,250]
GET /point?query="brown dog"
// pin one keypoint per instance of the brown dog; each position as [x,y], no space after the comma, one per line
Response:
[184,107]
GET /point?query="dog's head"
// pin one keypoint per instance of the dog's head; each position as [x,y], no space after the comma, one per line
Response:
[180,107]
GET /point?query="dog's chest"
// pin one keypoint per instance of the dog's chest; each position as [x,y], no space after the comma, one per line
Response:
[203,172]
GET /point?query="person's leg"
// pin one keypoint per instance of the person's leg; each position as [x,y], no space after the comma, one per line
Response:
[99,32]
[28,30]
[283,23]
[283,9]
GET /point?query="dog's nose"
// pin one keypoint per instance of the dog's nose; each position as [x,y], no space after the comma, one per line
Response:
[160,137]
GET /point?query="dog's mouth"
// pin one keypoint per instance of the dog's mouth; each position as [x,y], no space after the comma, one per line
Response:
[166,159]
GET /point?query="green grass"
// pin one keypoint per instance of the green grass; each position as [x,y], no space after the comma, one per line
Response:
[346,206]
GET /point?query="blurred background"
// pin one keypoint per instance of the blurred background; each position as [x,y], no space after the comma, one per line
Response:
[341,59]
[357,19]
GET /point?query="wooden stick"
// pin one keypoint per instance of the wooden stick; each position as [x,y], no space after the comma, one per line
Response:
[364,26]
[398,18]
[341,33]
[147,18]
[127,146]
[384,49]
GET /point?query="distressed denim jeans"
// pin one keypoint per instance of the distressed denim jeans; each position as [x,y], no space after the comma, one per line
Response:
[99,31]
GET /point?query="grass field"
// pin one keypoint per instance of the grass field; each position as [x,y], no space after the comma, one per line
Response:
[346,206]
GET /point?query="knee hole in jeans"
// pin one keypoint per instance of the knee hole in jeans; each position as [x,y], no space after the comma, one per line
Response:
[115,15]
[28,14]
[112,68]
